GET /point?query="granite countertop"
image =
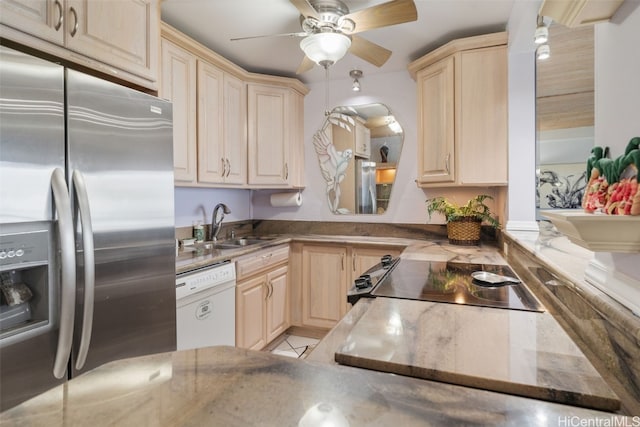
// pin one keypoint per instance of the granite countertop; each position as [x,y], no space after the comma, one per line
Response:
[197,256]
[227,386]
[511,351]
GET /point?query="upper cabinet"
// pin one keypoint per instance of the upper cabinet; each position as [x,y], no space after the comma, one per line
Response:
[118,38]
[178,85]
[358,139]
[221,117]
[233,129]
[462,113]
[274,135]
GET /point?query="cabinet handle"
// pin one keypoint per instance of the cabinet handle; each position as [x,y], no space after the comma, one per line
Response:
[447,163]
[224,166]
[266,297]
[60,15]
[353,261]
[342,261]
[74,30]
[286,171]
[228,167]
[270,288]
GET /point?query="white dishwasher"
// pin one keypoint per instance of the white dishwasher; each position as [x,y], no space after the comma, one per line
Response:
[206,307]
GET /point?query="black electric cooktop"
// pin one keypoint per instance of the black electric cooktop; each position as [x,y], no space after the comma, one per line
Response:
[448,282]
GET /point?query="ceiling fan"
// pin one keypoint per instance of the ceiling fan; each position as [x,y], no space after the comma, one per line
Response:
[329,30]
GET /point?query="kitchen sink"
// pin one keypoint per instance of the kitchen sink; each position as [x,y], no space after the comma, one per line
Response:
[228,244]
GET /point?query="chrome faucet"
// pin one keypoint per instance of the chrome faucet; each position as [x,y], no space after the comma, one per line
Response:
[216,223]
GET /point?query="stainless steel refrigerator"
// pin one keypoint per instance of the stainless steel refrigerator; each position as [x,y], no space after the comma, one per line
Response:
[365,187]
[87,249]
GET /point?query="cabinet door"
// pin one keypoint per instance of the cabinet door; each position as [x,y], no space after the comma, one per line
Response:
[40,18]
[250,313]
[212,164]
[296,160]
[268,141]
[436,156]
[324,285]
[122,33]
[363,258]
[235,129]
[363,141]
[179,87]
[481,102]
[277,304]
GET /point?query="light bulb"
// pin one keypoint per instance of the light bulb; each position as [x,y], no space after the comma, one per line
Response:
[356,86]
[543,52]
[541,35]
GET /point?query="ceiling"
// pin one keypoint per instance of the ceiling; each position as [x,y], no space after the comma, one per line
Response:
[214,22]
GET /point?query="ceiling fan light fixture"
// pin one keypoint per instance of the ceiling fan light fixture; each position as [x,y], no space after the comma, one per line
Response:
[325,49]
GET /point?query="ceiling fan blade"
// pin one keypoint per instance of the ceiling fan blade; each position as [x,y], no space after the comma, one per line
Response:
[305,65]
[305,8]
[382,15]
[369,51]
[298,34]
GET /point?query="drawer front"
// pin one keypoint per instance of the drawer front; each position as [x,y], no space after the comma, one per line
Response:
[256,262]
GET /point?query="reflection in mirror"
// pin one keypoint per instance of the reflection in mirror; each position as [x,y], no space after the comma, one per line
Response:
[565,117]
[358,149]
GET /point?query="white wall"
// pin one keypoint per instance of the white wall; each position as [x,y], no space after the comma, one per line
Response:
[398,92]
[617,101]
[196,204]
[617,79]
[522,116]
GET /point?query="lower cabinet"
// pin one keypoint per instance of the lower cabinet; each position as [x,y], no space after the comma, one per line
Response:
[326,274]
[262,297]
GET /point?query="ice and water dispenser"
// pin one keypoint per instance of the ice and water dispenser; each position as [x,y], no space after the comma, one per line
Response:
[27,293]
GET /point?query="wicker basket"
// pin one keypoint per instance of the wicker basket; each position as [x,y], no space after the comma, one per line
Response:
[464,231]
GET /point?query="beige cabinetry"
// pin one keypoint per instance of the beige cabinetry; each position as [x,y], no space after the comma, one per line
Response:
[178,85]
[222,143]
[209,113]
[119,38]
[362,140]
[462,113]
[245,130]
[262,297]
[324,285]
[275,135]
[327,272]
[358,139]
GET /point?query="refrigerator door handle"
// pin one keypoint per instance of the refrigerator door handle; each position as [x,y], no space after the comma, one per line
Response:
[68,267]
[88,249]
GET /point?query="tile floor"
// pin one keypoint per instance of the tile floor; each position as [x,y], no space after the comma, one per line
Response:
[293,346]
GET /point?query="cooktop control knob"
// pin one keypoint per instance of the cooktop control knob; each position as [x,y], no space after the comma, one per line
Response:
[363,281]
[386,261]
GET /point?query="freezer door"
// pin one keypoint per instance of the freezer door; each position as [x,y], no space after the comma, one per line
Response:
[31,147]
[120,142]
[31,135]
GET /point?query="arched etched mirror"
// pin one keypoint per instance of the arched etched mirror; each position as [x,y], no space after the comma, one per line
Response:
[358,151]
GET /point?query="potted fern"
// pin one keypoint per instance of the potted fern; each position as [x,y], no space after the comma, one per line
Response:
[463,221]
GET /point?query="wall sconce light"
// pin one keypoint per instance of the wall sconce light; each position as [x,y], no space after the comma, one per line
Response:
[355,75]
[326,48]
[543,52]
